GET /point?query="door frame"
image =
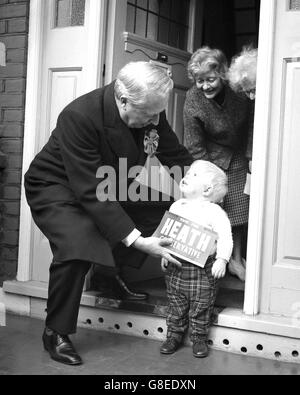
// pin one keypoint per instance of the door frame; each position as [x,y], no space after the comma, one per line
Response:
[260,152]
[97,22]
[261,134]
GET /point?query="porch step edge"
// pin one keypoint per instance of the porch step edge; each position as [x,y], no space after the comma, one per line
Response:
[227,318]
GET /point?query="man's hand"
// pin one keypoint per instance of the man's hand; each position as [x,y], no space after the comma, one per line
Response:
[154,247]
[219,268]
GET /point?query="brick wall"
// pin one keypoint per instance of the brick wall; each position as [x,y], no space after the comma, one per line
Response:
[14,34]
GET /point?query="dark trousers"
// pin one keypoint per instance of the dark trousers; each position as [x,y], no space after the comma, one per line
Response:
[65,290]
[67,278]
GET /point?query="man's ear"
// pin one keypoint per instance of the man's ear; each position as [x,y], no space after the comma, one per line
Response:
[123,101]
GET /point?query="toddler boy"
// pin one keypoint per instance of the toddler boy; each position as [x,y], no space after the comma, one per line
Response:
[191,290]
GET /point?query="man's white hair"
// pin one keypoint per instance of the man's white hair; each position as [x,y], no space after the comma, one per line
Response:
[140,81]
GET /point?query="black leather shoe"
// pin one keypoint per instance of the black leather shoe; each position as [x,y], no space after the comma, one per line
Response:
[200,349]
[128,294]
[170,346]
[61,349]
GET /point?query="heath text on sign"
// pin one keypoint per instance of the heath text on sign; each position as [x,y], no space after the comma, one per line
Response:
[191,241]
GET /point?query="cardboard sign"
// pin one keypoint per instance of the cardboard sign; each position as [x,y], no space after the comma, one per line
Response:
[191,241]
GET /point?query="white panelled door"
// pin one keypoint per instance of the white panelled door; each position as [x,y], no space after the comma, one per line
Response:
[281,244]
[70,66]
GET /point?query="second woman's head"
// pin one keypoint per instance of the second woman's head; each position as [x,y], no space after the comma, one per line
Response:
[207,69]
[242,72]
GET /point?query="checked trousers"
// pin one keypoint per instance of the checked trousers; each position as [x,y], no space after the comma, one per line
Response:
[191,293]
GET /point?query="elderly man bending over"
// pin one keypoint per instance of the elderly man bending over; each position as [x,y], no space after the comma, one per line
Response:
[95,132]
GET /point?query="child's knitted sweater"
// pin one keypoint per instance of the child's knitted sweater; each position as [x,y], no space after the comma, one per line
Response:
[211,216]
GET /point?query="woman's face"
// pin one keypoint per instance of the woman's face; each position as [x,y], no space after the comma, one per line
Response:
[250,90]
[210,84]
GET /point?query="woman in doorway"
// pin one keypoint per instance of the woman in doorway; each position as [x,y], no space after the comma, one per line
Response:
[242,79]
[216,123]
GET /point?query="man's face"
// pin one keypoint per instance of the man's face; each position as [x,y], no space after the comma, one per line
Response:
[210,84]
[137,118]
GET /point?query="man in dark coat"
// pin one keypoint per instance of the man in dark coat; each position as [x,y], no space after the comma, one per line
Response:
[63,186]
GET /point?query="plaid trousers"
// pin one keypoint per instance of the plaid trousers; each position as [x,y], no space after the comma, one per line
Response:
[191,293]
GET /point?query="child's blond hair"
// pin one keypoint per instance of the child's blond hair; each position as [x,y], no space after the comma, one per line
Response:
[214,176]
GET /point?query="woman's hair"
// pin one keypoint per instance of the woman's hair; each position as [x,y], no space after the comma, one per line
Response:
[242,71]
[138,81]
[215,176]
[206,60]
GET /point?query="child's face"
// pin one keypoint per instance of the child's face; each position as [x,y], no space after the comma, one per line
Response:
[193,184]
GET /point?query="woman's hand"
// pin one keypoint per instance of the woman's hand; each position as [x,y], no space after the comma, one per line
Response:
[154,247]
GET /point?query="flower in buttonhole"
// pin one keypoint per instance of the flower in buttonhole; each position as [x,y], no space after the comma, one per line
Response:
[151,142]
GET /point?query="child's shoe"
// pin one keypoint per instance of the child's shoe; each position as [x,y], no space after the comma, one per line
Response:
[200,349]
[170,346]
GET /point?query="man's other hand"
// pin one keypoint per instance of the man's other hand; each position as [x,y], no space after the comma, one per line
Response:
[154,247]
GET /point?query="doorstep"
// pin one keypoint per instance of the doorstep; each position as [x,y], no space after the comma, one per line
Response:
[262,336]
[156,306]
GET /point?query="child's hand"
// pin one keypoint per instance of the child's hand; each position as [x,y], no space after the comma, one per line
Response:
[164,265]
[219,268]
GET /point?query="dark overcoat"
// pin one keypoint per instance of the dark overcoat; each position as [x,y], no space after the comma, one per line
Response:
[61,182]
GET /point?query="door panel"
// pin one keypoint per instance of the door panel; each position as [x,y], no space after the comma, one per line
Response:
[281,251]
[65,74]
[63,87]
[286,268]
